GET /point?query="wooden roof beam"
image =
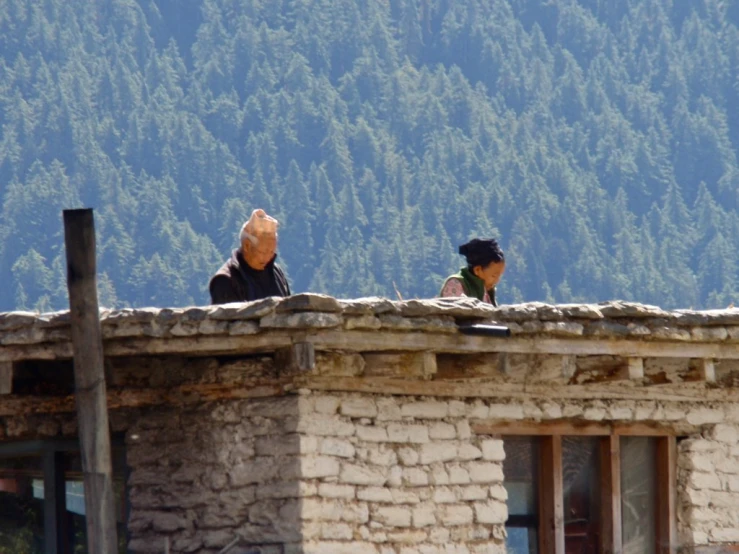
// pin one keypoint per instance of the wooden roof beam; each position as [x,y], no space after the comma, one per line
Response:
[6,377]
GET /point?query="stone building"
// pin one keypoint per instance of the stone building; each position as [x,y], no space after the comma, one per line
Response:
[311,425]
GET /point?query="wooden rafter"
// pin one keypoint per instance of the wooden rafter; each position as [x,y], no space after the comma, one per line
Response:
[368,341]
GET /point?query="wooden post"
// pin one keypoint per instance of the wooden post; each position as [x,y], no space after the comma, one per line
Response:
[666,495]
[610,494]
[89,379]
[504,364]
[296,358]
[6,377]
[634,369]
[55,513]
[707,370]
[569,366]
[551,497]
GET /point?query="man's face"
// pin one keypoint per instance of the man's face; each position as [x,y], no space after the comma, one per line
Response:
[260,254]
[490,274]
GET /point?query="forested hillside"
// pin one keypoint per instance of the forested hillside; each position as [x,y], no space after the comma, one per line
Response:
[597,139]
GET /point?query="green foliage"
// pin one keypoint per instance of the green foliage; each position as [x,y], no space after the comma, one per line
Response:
[598,140]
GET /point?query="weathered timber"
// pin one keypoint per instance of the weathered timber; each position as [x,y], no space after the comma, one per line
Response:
[477,388]
[465,366]
[610,492]
[89,377]
[339,363]
[145,346]
[707,370]
[428,361]
[46,351]
[409,364]
[54,503]
[579,427]
[569,366]
[633,370]
[13,405]
[6,377]
[535,368]
[666,532]
[368,341]
[551,506]
[296,358]
[504,363]
[246,344]
[457,343]
[194,393]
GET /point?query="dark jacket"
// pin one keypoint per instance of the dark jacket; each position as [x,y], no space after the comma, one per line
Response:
[237,282]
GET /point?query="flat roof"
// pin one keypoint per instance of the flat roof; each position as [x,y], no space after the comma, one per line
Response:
[379,324]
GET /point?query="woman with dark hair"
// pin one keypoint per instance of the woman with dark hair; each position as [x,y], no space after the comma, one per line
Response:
[485,267]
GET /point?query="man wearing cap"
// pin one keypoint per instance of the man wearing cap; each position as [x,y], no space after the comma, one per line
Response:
[485,267]
[251,272]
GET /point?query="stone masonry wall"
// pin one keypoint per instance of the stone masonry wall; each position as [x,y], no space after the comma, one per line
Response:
[405,475]
[708,479]
[205,476]
[400,476]
[371,474]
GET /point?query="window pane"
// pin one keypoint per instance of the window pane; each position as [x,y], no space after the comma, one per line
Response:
[520,478]
[521,540]
[75,501]
[581,485]
[21,506]
[638,492]
[520,474]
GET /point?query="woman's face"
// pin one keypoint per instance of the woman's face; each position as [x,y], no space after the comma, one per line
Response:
[490,274]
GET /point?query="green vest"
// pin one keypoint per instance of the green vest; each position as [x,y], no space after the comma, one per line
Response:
[473,286]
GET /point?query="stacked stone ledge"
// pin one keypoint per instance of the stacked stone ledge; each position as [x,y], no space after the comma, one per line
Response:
[440,315]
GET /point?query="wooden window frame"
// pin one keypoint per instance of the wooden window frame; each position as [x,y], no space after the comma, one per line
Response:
[551,497]
[51,453]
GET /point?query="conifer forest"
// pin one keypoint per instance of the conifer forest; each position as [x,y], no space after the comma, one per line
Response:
[598,140]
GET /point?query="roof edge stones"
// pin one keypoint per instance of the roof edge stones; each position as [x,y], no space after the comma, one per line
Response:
[613,319]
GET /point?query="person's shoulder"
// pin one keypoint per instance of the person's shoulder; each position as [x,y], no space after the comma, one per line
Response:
[452,287]
[224,274]
[228,267]
[281,279]
[220,280]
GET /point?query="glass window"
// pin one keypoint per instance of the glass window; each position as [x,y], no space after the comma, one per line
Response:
[638,494]
[75,502]
[21,510]
[581,487]
[23,485]
[569,494]
[521,540]
[521,470]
